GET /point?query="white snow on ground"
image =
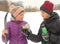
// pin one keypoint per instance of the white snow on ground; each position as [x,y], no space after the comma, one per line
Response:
[33,18]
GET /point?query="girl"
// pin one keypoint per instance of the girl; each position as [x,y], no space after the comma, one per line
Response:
[13,27]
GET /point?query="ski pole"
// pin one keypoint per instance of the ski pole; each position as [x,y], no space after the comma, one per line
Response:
[5,19]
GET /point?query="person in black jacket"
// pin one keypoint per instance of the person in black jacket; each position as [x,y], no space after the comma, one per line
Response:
[49,31]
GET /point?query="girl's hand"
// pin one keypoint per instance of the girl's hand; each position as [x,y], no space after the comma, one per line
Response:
[4,32]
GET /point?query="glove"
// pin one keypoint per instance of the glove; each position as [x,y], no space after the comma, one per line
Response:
[26,32]
[26,29]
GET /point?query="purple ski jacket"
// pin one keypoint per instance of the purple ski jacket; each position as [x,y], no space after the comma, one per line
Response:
[15,34]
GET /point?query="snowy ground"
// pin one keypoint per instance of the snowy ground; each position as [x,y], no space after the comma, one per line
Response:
[33,18]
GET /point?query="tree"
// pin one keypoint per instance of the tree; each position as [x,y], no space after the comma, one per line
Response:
[3,5]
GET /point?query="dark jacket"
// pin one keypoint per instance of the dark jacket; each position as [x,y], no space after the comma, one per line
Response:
[53,27]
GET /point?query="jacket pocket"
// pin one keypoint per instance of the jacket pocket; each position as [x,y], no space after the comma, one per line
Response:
[53,38]
[58,41]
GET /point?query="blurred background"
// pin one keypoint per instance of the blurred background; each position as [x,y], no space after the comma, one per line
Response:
[29,5]
[32,15]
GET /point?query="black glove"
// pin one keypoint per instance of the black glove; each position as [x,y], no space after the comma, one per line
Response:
[26,32]
[26,29]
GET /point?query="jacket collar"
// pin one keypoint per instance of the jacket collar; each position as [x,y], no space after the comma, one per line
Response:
[52,18]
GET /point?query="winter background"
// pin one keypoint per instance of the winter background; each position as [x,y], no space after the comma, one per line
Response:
[33,18]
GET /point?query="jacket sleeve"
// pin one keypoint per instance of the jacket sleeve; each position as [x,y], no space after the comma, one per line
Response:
[35,38]
[58,26]
[8,35]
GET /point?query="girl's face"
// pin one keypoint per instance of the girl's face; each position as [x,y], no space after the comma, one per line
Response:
[45,15]
[20,17]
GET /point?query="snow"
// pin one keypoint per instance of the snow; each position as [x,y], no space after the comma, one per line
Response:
[33,18]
